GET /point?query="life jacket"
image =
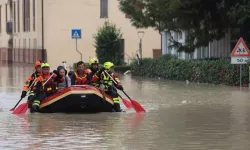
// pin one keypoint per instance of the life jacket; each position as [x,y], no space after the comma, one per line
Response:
[30,80]
[92,73]
[106,81]
[50,86]
[81,80]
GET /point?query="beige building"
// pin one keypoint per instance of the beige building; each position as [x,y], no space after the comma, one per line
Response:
[21,30]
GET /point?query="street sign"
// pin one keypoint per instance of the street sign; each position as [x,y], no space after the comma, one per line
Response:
[239,60]
[240,49]
[76,34]
[240,56]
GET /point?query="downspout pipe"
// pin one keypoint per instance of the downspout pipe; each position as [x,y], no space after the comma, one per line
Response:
[43,50]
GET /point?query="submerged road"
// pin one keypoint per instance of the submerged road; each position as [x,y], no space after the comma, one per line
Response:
[179,116]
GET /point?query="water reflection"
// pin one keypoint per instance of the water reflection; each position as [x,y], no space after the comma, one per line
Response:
[214,117]
[67,131]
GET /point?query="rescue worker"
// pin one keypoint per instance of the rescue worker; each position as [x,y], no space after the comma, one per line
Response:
[48,89]
[28,83]
[80,77]
[93,67]
[108,83]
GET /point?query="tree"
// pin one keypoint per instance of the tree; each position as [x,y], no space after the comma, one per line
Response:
[107,44]
[240,14]
[203,20]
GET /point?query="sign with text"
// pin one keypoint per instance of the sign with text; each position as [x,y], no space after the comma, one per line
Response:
[240,53]
[239,60]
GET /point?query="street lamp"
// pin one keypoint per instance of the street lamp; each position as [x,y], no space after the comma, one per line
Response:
[140,35]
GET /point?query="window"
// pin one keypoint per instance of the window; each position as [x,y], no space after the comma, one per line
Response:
[180,35]
[204,52]
[26,15]
[24,43]
[6,13]
[34,44]
[191,55]
[15,17]
[18,16]
[1,19]
[104,9]
[180,54]
[29,44]
[34,15]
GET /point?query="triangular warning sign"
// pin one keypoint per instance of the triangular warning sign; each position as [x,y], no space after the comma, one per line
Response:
[240,49]
[76,34]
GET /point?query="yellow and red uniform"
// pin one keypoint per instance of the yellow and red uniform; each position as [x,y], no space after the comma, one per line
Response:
[43,90]
[50,87]
[92,69]
[77,79]
[30,80]
[106,80]
[103,78]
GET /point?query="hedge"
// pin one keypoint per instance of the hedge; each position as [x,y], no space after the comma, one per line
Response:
[121,69]
[203,71]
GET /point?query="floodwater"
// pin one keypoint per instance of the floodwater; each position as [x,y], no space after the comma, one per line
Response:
[180,116]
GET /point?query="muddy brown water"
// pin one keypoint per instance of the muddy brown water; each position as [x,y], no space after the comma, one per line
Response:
[179,116]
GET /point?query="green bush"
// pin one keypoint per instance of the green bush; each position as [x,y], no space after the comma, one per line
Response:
[108,44]
[204,71]
[121,69]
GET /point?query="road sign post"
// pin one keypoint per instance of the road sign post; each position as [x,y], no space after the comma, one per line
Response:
[240,56]
[76,34]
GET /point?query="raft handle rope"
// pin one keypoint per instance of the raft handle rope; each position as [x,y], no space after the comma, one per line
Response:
[82,86]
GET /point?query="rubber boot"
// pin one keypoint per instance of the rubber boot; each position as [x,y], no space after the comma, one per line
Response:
[117,107]
[35,106]
[30,100]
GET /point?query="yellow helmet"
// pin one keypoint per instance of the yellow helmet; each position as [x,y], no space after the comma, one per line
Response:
[45,65]
[93,61]
[108,65]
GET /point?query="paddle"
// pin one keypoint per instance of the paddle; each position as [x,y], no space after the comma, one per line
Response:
[12,109]
[138,108]
[126,102]
[23,107]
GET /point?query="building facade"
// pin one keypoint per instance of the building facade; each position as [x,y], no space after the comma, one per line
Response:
[21,36]
[216,49]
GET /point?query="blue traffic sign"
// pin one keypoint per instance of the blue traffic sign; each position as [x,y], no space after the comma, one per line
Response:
[76,34]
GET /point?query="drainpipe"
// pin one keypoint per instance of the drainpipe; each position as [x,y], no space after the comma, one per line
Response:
[161,42]
[43,51]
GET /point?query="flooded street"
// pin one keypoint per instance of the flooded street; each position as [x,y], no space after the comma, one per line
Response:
[179,116]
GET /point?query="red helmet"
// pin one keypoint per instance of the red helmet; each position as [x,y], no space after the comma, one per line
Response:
[38,63]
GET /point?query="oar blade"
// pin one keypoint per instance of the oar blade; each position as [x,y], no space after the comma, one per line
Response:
[127,103]
[138,108]
[21,109]
[12,109]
